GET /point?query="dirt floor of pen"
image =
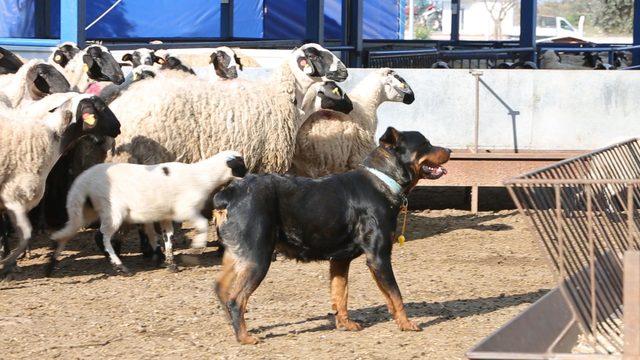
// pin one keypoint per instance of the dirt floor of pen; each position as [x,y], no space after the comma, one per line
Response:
[462,276]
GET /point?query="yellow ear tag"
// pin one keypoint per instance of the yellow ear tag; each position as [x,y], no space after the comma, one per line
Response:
[89,119]
[336,91]
[57,58]
[401,240]
[402,85]
[85,68]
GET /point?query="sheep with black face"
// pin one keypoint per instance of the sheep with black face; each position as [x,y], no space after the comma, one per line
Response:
[33,81]
[331,142]
[87,66]
[30,147]
[167,119]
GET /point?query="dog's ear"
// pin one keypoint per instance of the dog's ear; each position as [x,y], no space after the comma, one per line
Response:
[390,138]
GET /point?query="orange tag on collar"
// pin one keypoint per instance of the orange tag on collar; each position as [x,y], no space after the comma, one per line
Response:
[89,119]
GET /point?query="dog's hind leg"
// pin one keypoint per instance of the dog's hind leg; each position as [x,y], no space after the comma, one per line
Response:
[249,275]
[339,272]
[226,277]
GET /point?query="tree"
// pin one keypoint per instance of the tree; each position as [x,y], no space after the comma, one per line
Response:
[615,16]
[499,9]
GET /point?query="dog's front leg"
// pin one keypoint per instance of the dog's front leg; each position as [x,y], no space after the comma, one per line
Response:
[380,266]
[339,271]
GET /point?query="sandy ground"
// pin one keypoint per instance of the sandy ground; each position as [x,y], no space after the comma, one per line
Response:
[462,276]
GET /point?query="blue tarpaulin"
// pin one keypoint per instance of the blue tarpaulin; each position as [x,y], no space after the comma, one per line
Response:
[262,19]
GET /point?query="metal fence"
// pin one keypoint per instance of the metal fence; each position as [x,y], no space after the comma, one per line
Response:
[455,59]
[585,211]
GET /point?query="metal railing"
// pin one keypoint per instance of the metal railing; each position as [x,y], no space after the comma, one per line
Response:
[585,211]
[457,59]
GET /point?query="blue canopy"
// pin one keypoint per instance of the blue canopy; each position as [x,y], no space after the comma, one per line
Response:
[262,19]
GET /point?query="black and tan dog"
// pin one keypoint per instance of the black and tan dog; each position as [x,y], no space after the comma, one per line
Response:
[335,218]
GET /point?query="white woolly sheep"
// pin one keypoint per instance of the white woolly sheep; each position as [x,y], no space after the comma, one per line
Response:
[140,72]
[171,119]
[33,81]
[331,142]
[29,149]
[83,68]
[131,193]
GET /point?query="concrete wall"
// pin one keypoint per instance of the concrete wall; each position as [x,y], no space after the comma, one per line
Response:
[545,109]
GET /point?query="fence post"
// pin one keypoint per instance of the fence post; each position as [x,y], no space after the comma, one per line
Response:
[631,305]
[315,21]
[72,21]
[636,32]
[226,19]
[528,17]
[455,21]
[352,26]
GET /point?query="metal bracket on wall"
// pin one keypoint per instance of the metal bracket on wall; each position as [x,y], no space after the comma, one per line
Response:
[476,128]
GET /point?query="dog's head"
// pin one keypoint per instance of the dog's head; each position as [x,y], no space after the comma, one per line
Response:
[407,157]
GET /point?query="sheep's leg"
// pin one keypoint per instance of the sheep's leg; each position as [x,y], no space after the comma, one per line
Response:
[108,227]
[148,242]
[152,244]
[167,233]
[21,220]
[202,225]
[53,260]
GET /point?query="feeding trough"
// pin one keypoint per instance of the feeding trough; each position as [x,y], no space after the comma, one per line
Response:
[585,212]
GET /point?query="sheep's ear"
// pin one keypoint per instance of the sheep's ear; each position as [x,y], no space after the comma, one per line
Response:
[306,66]
[238,61]
[59,58]
[127,57]
[67,116]
[390,138]
[237,166]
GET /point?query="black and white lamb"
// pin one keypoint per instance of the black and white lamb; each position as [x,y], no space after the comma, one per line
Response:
[143,194]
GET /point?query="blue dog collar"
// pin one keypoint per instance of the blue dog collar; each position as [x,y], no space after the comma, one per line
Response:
[392,184]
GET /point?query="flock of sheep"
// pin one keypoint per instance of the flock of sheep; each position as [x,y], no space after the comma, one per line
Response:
[62,117]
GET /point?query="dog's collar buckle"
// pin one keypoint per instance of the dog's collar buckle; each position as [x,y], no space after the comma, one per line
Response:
[392,184]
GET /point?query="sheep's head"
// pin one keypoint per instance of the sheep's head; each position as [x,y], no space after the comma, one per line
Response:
[142,56]
[326,95]
[236,167]
[317,62]
[395,87]
[101,66]
[44,79]
[225,62]
[95,117]
[64,53]
[173,63]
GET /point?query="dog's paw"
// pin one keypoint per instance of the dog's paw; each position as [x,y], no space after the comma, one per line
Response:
[347,325]
[248,340]
[408,325]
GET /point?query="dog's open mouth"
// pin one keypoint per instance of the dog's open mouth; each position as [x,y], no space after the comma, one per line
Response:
[433,172]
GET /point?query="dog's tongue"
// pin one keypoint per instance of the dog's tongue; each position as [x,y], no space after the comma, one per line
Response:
[434,172]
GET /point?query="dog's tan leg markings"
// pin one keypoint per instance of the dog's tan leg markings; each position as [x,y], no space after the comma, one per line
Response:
[385,280]
[339,271]
[226,277]
[248,278]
